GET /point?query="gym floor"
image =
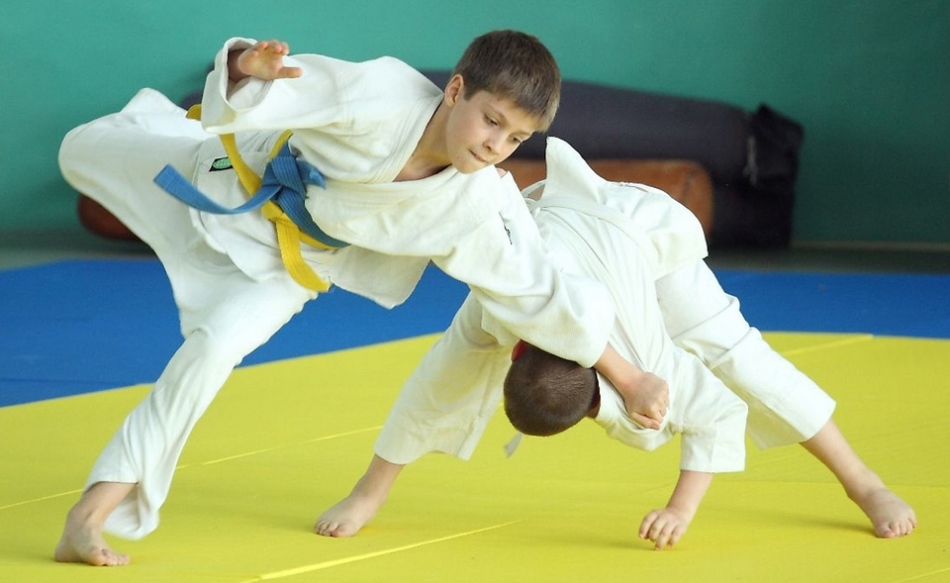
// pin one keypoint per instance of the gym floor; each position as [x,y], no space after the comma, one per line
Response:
[85,324]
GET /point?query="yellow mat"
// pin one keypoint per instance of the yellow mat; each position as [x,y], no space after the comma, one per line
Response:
[286,440]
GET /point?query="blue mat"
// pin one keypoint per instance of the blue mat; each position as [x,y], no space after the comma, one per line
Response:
[882,304]
[78,326]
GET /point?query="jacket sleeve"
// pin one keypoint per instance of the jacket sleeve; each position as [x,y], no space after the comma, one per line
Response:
[450,397]
[325,96]
[505,264]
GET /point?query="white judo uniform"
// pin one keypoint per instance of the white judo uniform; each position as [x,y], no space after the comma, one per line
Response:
[627,236]
[358,123]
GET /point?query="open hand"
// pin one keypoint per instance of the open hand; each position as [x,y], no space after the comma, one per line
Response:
[264,60]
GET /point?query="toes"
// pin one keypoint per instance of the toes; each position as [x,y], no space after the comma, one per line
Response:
[896,529]
[116,559]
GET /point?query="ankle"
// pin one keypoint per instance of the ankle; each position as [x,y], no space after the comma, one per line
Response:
[863,485]
[369,493]
[87,514]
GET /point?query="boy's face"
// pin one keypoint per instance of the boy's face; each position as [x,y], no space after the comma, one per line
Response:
[483,129]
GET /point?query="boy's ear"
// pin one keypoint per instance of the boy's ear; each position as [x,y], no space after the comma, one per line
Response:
[454,89]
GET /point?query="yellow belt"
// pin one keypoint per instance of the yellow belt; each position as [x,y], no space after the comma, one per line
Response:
[289,236]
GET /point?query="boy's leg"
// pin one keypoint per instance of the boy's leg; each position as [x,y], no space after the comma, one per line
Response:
[82,541]
[114,159]
[224,315]
[891,516]
[444,406]
[348,516]
[131,478]
[785,406]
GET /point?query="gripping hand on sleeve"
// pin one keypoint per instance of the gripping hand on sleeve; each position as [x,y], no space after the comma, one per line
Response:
[646,400]
[645,395]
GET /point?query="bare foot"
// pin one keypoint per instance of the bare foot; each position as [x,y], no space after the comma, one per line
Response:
[891,516]
[82,542]
[348,516]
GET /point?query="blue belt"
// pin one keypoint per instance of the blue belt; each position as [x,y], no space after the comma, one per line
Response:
[284,182]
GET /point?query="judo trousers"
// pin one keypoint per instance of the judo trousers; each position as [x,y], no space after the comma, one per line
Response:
[224,313]
[785,406]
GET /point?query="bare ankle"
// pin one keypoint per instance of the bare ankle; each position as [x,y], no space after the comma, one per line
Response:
[864,484]
[87,516]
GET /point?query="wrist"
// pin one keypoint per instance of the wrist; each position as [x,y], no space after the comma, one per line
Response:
[617,369]
[235,73]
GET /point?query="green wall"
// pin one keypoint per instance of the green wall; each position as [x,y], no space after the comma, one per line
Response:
[869,79]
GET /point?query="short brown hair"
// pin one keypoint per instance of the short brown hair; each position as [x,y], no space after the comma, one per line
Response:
[516,66]
[546,394]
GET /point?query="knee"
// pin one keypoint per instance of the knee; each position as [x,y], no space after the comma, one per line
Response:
[712,337]
[746,348]
[217,349]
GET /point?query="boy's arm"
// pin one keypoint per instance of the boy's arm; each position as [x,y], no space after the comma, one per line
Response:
[645,395]
[446,403]
[665,526]
[444,406]
[257,85]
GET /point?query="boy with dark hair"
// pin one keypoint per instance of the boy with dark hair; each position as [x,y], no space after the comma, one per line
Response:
[545,394]
[380,173]
[624,235]
[530,77]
